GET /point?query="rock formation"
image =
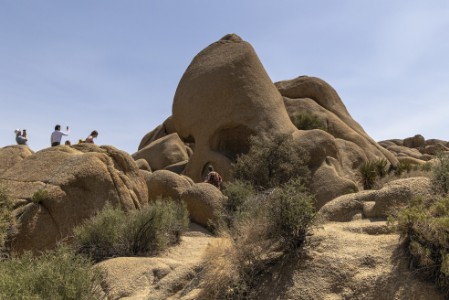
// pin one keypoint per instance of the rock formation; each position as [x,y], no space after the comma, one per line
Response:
[225,96]
[57,188]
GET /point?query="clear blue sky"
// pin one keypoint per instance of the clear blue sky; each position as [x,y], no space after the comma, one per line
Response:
[114,65]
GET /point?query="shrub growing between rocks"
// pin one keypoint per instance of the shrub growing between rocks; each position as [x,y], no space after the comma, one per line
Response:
[271,161]
[307,121]
[146,231]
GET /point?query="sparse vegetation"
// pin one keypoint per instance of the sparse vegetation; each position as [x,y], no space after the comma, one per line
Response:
[423,226]
[39,196]
[368,175]
[307,121]
[58,274]
[146,231]
[6,217]
[270,226]
[440,174]
[271,161]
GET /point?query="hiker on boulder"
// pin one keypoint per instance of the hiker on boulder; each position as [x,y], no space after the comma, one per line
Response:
[213,177]
[21,139]
[90,138]
[57,135]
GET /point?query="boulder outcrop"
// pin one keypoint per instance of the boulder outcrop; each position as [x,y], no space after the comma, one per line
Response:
[376,203]
[10,155]
[163,152]
[57,188]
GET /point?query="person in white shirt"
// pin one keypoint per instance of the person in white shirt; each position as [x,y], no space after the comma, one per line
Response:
[57,135]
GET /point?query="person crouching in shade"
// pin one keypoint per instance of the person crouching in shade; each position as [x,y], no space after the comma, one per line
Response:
[213,177]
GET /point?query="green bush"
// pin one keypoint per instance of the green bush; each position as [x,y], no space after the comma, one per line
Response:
[291,212]
[6,217]
[381,167]
[307,121]
[238,194]
[102,236]
[58,274]
[146,231]
[440,174]
[368,174]
[156,226]
[423,226]
[271,161]
[39,196]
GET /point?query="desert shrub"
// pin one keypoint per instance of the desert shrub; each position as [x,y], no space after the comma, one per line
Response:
[271,161]
[440,174]
[146,231]
[39,196]
[403,167]
[238,195]
[6,217]
[156,226]
[426,167]
[102,236]
[59,274]
[273,224]
[381,167]
[423,227]
[307,121]
[291,213]
[368,174]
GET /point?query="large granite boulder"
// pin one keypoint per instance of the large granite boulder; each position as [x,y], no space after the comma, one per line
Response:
[313,96]
[224,96]
[163,152]
[376,203]
[58,188]
[10,155]
[167,184]
[160,131]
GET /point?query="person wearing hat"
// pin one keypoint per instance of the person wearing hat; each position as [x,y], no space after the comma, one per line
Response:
[21,139]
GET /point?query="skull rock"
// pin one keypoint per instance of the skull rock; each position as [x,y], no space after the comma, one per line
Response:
[224,96]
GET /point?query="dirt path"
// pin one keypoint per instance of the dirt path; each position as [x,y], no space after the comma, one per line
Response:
[159,277]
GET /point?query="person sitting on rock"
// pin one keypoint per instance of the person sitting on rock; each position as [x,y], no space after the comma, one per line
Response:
[21,139]
[213,177]
[90,138]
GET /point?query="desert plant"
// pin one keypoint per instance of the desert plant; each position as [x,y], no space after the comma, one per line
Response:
[156,226]
[307,121]
[272,225]
[381,167]
[402,167]
[39,196]
[440,174]
[146,231]
[271,161]
[368,174]
[291,213]
[423,227]
[6,216]
[58,274]
[102,236]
